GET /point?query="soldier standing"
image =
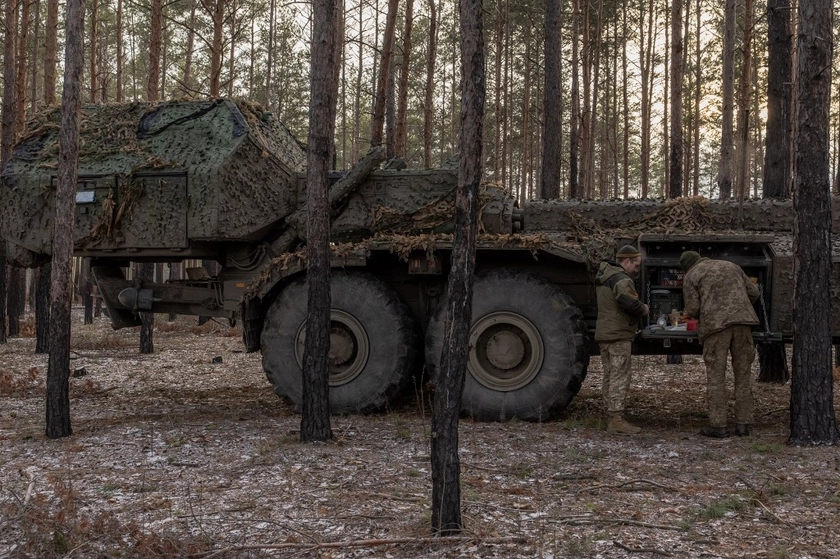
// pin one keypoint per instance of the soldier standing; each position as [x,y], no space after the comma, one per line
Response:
[619,310]
[720,294]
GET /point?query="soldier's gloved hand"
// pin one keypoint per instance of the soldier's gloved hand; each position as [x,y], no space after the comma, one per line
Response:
[647,310]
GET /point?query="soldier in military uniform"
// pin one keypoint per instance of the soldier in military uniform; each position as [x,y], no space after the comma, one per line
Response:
[720,294]
[619,310]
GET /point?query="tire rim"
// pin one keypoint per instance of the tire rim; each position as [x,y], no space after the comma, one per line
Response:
[349,347]
[506,351]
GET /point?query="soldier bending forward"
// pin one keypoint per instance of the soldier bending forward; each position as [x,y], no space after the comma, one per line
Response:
[720,294]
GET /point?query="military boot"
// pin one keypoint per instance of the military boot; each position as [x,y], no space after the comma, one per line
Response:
[617,424]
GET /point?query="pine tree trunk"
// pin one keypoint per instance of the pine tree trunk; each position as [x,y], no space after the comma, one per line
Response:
[742,189]
[155,33]
[402,105]
[378,119]
[14,287]
[58,397]
[94,71]
[428,108]
[315,417]
[50,51]
[42,309]
[86,290]
[724,179]
[553,100]
[676,158]
[145,272]
[446,467]
[812,417]
[575,188]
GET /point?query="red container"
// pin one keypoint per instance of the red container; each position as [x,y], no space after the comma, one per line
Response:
[691,324]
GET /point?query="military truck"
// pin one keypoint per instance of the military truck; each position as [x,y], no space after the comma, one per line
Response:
[224,180]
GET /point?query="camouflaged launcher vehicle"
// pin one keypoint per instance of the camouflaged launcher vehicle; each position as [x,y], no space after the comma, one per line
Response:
[223,180]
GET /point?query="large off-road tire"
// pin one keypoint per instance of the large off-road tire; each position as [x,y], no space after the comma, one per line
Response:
[374,343]
[527,348]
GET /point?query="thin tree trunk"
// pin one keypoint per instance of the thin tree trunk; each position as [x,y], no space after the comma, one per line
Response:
[50,51]
[552,136]
[724,179]
[445,463]
[428,103]
[42,309]
[145,272]
[119,87]
[698,92]
[402,105]
[86,288]
[94,70]
[58,386]
[155,32]
[742,185]
[270,53]
[676,158]
[575,189]
[315,419]
[773,364]
[22,67]
[378,120]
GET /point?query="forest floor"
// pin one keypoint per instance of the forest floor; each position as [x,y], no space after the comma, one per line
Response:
[188,453]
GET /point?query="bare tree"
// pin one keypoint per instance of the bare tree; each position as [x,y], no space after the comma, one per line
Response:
[42,308]
[378,120]
[402,103]
[552,129]
[812,419]
[772,357]
[446,467]
[145,272]
[676,158]
[428,102]
[742,189]
[724,179]
[58,397]
[155,33]
[315,419]
[575,187]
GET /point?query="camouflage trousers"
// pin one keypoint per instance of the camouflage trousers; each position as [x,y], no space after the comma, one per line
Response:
[615,358]
[738,341]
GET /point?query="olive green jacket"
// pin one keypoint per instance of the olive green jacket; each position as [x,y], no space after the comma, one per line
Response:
[720,294]
[619,307]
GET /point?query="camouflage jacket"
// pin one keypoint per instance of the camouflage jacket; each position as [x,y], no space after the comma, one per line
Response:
[619,307]
[720,294]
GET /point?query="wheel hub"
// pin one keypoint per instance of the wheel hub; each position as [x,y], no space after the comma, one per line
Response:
[349,347]
[506,351]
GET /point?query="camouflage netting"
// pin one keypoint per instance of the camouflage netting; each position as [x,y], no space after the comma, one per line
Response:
[209,169]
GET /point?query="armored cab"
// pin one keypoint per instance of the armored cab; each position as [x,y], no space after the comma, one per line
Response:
[162,181]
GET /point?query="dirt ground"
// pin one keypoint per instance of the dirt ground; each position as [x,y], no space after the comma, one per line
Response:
[175,455]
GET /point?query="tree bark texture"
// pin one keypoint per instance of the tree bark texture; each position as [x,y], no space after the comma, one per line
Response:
[446,466]
[773,365]
[315,418]
[742,189]
[402,104]
[61,291]
[155,33]
[50,51]
[725,163]
[145,272]
[378,120]
[552,129]
[428,107]
[42,308]
[575,188]
[812,418]
[676,158]
[7,136]
[779,101]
